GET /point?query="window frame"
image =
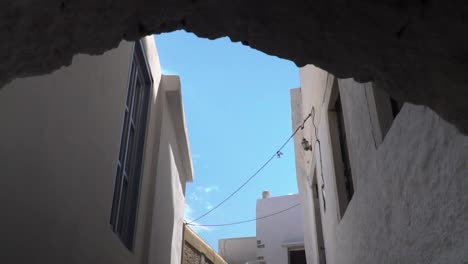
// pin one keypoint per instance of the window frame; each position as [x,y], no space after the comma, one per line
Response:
[344,181]
[383,109]
[129,173]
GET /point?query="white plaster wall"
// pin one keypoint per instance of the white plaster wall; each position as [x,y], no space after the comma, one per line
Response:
[410,200]
[313,95]
[59,145]
[169,200]
[276,231]
[315,88]
[238,250]
[58,149]
[304,168]
[418,205]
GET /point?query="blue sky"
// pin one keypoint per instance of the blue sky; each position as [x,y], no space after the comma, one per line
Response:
[237,108]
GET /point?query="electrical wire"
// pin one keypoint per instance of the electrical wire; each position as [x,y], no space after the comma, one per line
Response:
[247,221]
[320,156]
[278,154]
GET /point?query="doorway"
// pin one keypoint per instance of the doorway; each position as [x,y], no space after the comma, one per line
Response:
[297,256]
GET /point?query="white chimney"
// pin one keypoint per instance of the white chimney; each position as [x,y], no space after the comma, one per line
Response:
[265,194]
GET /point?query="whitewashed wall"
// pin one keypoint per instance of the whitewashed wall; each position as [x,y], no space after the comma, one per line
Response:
[410,200]
[239,250]
[278,232]
[59,145]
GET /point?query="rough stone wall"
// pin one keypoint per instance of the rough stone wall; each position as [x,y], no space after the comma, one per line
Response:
[191,255]
[415,49]
[197,251]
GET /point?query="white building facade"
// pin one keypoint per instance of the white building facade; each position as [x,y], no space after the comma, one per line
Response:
[239,250]
[379,181]
[95,159]
[279,236]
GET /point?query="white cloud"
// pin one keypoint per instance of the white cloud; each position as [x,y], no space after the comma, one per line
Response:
[208,206]
[168,72]
[188,211]
[198,198]
[200,229]
[189,215]
[194,197]
[208,189]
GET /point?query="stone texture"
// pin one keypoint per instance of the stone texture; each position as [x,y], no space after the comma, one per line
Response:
[191,255]
[417,50]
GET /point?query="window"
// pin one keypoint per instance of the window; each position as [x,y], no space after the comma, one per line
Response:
[396,107]
[129,165]
[344,150]
[342,164]
[383,109]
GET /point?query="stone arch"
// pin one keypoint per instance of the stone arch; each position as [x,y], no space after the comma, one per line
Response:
[416,50]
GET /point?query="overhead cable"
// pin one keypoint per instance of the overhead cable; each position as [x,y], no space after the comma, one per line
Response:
[278,154]
[245,221]
[317,142]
